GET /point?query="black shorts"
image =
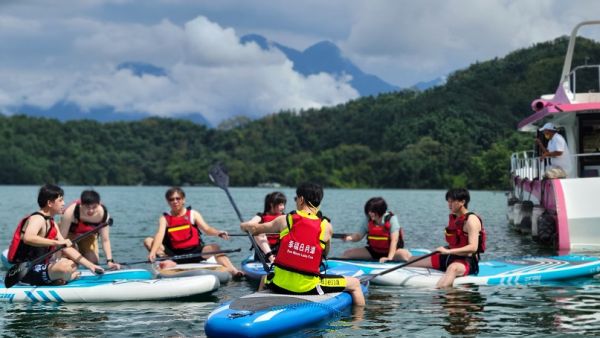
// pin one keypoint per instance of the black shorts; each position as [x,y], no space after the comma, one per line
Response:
[38,275]
[179,252]
[374,254]
[328,284]
[441,262]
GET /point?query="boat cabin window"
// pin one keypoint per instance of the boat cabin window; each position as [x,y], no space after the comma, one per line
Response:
[589,143]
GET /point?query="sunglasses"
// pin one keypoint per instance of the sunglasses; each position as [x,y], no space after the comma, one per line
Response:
[173,199]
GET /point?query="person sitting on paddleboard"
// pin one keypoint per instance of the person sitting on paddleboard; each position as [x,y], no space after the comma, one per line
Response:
[305,236]
[37,234]
[82,216]
[385,240]
[466,240]
[179,233]
[274,207]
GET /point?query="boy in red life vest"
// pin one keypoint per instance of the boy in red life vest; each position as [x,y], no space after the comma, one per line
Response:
[274,206]
[466,239]
[37,234]
[83,216]
[304,239]
[179,233]
[384,235]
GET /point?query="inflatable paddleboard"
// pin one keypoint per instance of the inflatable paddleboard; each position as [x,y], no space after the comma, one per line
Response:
[508,271]
[113,286]
[269,314]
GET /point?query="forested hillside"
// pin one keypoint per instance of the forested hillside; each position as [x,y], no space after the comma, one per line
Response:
[461,133]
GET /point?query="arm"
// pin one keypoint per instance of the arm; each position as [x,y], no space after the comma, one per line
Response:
[158,238]
[275,226]
[105,234]
[32,236]
[327,238]
[357,236]
[65,221]
[77,257]
[205,228]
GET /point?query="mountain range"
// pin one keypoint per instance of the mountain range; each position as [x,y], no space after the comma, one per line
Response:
[323,56]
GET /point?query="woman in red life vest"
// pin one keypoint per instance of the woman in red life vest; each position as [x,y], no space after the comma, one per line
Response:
[466,239]
[179,233]
[82,216]
[385,240]
[305,237]
[37,234]
[274,206]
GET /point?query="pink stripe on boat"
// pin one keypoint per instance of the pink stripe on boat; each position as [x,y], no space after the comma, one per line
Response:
[562,224]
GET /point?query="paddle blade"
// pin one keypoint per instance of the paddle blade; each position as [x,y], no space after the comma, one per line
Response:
[15,274]
[219,176]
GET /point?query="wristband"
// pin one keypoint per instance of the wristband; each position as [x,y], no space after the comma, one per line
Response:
[110,260]
[269,254]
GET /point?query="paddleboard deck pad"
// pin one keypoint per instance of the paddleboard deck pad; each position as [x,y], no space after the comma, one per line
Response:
[507,271]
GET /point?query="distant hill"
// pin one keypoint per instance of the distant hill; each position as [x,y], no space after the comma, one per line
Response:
[424,85]
[326,57]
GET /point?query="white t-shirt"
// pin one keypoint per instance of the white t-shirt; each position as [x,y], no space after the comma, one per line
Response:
[558,143]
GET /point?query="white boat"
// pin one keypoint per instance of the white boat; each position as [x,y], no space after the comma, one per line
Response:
[562,212]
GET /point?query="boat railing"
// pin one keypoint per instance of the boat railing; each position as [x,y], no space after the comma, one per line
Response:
[525,164]
[590,94]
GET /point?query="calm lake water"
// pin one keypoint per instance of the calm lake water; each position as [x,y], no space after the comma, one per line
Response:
[564,309]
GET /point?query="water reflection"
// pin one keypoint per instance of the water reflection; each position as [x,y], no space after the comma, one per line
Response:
[464,308]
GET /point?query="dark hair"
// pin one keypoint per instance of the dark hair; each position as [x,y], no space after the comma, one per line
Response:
[89,197]
[376,205]
[311,192]
[459,194]
[274,198]
[174,190]
[49,192]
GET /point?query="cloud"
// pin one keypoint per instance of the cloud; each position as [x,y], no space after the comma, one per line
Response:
[208,72]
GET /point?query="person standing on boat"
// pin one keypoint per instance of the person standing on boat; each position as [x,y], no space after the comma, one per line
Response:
[179,233]
[82,216]
[37,234]
[305,236]
[385,240]
[466,240]
[274,207]
[557,151]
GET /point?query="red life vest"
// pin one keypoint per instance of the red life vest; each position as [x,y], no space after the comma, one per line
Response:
[301,248]
[78,226]
[182,233]
[379,236]
[19,252]
[458,238]
[272,238]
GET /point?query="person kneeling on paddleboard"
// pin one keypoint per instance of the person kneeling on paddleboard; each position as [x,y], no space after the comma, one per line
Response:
[305,236]
[385,240]
[466,239]
[38,234]
[179,233]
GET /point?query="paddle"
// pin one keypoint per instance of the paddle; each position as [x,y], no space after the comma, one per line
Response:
[218,175]
[186,256]
[367,278]
[341,236]
[16,273]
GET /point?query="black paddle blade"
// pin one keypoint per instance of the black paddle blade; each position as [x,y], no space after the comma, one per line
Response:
[15,274]
[219,176]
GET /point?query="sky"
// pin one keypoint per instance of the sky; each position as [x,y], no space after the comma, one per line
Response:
[69,50]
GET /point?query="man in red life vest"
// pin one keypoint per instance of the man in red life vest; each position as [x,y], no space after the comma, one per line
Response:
[37,234]
[82,216]
[179,233]
[305,236]
[466,239]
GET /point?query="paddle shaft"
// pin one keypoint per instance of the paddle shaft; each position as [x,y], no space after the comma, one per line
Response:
[186,256]
[220,178]
[370,277]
